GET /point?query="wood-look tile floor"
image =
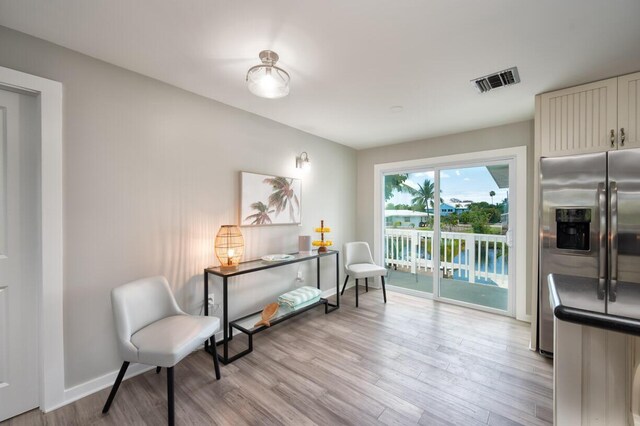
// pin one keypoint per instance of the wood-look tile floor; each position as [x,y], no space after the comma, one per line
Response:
[411,361]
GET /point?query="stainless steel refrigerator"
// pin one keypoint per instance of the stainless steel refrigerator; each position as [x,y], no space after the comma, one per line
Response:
[590,227]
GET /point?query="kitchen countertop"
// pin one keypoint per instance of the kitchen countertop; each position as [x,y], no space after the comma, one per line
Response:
[574,299]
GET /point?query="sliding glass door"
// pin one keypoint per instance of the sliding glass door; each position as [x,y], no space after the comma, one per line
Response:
[473,219]
[408,231]
[447,233]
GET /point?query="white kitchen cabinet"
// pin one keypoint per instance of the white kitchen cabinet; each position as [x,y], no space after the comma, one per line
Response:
[629,111]
[593,376]
[594,117]
[579,119]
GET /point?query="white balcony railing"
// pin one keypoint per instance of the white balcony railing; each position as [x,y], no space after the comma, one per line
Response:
[463,256]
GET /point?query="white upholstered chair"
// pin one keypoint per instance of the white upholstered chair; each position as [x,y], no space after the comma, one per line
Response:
[152,329]
[358,263]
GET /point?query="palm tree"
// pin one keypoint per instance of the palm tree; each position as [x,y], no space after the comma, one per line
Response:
[424,195]
[394,183]
[492,194]
[283,195]
[262,217]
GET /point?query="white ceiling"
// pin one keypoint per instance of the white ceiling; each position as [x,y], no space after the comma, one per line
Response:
[350,61]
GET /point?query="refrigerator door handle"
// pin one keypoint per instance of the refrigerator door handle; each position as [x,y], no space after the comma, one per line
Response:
[613,235]
[602,240]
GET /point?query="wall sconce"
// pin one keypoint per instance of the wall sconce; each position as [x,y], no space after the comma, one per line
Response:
[229,246]
[302,161]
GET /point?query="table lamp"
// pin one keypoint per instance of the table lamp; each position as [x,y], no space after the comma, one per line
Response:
[229,246]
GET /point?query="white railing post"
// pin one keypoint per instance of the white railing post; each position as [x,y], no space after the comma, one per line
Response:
[486,258]
[502,258]
[495,260]
[428,237]
[414,251]
[471,257]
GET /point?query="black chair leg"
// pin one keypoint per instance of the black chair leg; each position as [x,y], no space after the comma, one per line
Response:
[115,387]
[216,365]
[158,370]
[170,414]
[366,285]
[356,292]
[345,285]
[384,290]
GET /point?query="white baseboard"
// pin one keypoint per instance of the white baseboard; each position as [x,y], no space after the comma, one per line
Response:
[87,388]
[328,293]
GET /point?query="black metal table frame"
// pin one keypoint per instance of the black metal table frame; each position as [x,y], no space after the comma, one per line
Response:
[227,327]
[252,331]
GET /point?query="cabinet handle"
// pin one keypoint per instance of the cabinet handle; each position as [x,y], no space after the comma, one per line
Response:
[622,136]
[612,138]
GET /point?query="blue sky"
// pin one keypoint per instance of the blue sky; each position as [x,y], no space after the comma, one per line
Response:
[471,183]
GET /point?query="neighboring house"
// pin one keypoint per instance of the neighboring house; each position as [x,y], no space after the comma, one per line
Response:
[407,218]
[412,218]
[461,205]
[447,209]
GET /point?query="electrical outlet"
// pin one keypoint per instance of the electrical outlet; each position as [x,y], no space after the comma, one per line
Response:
[300,277]
[211,299]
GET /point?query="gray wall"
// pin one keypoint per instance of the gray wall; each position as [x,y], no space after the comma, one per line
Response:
[510,135]
[150,174]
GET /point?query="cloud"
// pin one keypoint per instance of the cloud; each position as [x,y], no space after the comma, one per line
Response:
[421,174]
[444,175]
[458,173]
[466,179]
[411,184]
[477,196]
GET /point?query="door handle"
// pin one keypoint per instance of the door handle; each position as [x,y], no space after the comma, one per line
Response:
[613,235]
[622,136]
[602,241]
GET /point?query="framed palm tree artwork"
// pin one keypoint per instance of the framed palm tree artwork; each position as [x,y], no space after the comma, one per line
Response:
[270,200]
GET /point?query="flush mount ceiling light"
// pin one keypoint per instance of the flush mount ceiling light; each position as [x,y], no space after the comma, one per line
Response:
[267,80]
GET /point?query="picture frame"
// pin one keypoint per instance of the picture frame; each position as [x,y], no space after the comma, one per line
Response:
[270,200]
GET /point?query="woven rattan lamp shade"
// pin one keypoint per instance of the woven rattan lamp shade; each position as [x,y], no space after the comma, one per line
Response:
[229,246]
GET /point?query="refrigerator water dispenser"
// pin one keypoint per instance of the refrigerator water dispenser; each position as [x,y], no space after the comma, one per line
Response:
[573,228]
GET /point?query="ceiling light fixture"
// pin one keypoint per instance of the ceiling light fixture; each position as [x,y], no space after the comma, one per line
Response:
[267,80]
[302,162]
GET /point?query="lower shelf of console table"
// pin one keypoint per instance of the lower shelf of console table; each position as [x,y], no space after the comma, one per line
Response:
[253,266]
[246,325]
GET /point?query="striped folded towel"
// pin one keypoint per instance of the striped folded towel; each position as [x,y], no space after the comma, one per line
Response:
[308,302]
[285,309]
[299,296]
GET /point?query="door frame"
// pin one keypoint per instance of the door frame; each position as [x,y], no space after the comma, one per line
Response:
[50,288]
[519,216]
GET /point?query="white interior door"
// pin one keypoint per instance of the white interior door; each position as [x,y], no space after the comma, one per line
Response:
[19,253]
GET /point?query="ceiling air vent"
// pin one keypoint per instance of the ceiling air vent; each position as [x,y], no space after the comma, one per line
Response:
[499,79]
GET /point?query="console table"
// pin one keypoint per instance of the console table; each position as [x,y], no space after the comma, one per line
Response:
[241,324]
